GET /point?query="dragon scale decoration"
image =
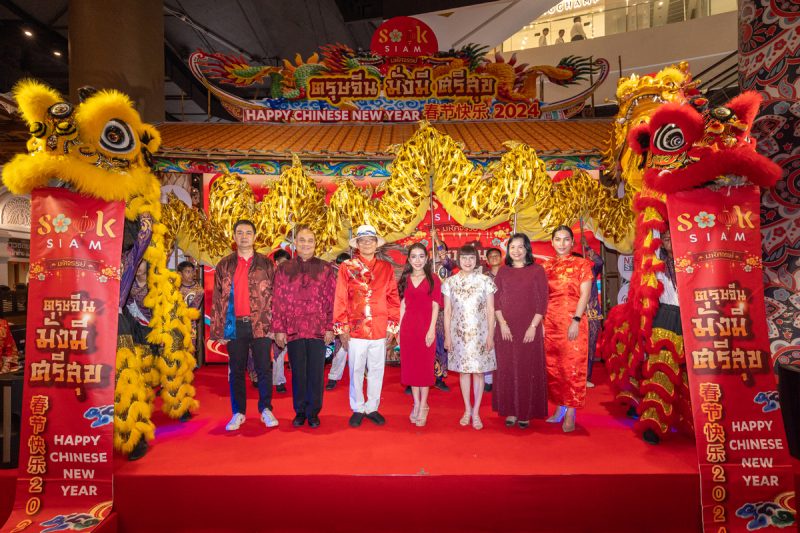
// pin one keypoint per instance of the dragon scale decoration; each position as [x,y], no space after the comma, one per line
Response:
[515,184]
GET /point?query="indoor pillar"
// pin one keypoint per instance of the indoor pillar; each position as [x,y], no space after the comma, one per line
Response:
[119,44]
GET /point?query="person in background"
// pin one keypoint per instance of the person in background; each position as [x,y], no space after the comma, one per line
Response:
[366,315]
[192,292]
[302,319]
[494,260]
[278,353]
[444,269]
[340,354]
[520,306]
[420,300]
[469,330]
[543,37]
[242,318]
[594,311]
[566,342]
[560,38]
[9,356]
[576,33]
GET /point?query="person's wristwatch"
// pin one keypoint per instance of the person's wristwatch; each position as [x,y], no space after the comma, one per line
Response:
[576,318]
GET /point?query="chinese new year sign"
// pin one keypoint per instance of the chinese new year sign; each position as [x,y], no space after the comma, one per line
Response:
[65,464]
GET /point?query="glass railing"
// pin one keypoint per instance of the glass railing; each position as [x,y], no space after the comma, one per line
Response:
[548,31]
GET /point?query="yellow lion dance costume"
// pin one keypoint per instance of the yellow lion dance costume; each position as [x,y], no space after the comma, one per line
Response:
[101,148]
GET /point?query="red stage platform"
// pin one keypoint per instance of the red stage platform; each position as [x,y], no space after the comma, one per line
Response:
[398,477]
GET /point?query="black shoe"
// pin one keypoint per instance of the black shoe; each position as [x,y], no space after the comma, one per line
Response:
[376,417]
[280,388]
[408,389]
[524,424]
[487,387]
[631,412]
[356,419]
[313,421]
[139,451]
[331,384]
[185,417]
[441,385]
[650,437]
[299,420]
[254,383]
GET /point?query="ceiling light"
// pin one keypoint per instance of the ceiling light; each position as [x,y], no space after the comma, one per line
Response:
[28,33]
[56,53]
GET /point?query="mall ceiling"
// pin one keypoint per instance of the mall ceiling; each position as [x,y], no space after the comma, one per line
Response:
[263,31]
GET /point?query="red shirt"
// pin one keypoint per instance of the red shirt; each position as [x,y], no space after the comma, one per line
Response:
[302,298]
[366,303]
[241,287]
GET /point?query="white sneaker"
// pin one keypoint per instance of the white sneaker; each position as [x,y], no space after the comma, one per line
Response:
[268,418]
[236,422]
[589,385]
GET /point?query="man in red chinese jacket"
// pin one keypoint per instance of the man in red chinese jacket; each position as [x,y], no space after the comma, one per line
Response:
[366,313]
[241,317]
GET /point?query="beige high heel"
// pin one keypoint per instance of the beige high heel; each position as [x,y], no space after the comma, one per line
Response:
[465,419]
[476,422]
[569,422]
[414,415]
[558,416]
[423,416]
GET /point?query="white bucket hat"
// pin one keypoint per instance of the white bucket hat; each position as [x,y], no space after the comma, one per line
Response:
[366,231]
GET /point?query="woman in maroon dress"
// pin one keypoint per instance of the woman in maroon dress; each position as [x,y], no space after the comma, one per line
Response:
[520,383]
[421,295]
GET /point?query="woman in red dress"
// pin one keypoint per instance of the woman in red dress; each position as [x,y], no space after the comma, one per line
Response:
[520,304]
[421,298]
[566,333]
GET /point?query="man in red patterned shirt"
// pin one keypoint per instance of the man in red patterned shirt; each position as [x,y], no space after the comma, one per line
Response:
[242,318]
[366,313]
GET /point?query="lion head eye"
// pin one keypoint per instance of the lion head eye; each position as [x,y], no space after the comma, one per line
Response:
[669,138]
[117,137]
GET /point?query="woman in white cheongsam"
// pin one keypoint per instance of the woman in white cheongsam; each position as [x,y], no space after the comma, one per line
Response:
[469,330]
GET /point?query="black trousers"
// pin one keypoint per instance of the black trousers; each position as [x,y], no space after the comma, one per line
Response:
[307,357]
[238,349]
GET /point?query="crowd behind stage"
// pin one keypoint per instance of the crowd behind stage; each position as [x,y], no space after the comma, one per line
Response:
[524,330]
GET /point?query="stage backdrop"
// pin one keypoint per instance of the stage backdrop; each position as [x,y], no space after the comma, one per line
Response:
[65,460]
[747,481]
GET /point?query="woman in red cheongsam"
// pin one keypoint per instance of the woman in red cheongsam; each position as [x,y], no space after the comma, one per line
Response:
[569,280]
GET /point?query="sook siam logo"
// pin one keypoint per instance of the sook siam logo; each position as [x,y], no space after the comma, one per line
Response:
[716,226]
[69,231]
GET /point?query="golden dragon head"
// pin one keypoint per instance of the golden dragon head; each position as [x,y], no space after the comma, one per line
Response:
[99,147]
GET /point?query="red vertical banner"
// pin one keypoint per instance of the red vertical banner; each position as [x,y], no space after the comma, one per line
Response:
[747,483]
[66,447]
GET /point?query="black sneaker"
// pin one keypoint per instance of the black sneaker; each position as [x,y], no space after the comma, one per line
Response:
[408,389]
[631,412]
[331,384]
[356,419]
[487,387]
[650,437]
[313,421]
[299,420]
[441,385]
[139,451]
[280,388]
[376,417]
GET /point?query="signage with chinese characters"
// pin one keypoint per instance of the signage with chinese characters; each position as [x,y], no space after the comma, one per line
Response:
[403,78]
[65,478]
[747,481]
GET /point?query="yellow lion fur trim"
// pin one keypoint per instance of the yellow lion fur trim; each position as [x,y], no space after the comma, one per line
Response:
[34,99]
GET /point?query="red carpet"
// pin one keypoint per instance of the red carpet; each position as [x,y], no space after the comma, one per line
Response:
[197,477]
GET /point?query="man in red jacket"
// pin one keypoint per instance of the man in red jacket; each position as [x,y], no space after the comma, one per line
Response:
[366,313]
[242,318]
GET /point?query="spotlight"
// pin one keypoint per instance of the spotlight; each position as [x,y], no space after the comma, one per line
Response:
[56,53]
[28,33]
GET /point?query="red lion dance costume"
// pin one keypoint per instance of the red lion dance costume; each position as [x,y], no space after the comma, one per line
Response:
[684,145]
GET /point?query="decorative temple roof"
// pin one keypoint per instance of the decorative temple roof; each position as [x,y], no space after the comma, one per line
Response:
[370,141]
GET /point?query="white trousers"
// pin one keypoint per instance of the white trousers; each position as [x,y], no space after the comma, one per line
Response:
[370,355]
[337,365]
